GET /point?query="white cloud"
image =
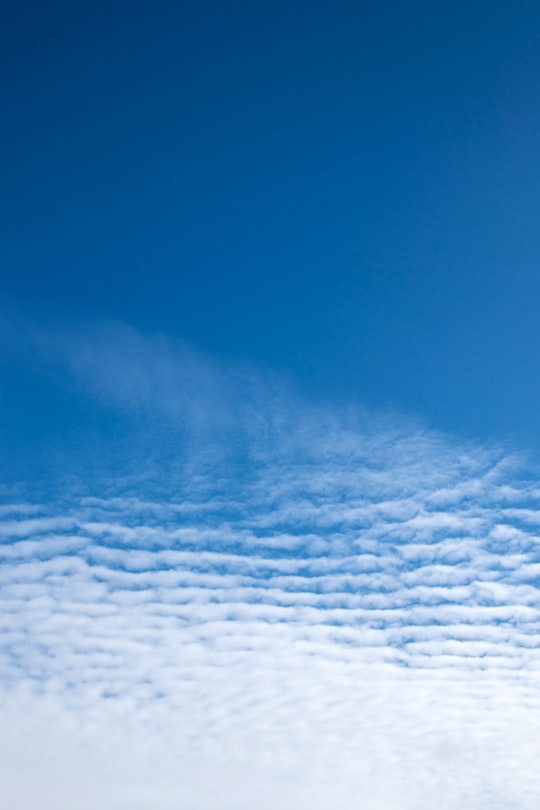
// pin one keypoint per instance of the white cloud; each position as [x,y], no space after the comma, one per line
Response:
[317,609]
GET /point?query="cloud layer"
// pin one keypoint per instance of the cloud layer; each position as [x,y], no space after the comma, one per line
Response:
[267,603]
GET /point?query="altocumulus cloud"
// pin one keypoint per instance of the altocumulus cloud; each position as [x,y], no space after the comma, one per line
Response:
[263,603]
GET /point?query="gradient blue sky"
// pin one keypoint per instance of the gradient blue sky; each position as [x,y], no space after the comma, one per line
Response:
[345,191]
[269,437]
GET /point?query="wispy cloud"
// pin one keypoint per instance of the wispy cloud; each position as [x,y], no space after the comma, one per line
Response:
[311,605]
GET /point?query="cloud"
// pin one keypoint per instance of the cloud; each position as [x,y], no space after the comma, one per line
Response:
[309,606]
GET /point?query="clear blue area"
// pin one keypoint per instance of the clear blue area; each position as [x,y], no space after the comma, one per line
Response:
[346,191]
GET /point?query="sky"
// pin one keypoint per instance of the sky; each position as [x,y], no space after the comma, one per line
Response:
[269,493]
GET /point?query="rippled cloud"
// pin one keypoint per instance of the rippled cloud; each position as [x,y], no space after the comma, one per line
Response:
[266,603]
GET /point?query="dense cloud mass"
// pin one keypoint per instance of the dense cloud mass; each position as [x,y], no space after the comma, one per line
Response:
[268,604]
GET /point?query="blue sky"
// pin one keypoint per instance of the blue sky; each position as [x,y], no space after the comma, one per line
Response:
[269,504]
[343,191]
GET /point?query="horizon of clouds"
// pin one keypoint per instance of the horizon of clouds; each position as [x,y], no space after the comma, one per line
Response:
[263,600]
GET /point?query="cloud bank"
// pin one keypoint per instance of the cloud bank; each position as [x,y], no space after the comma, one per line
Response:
[265,602]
